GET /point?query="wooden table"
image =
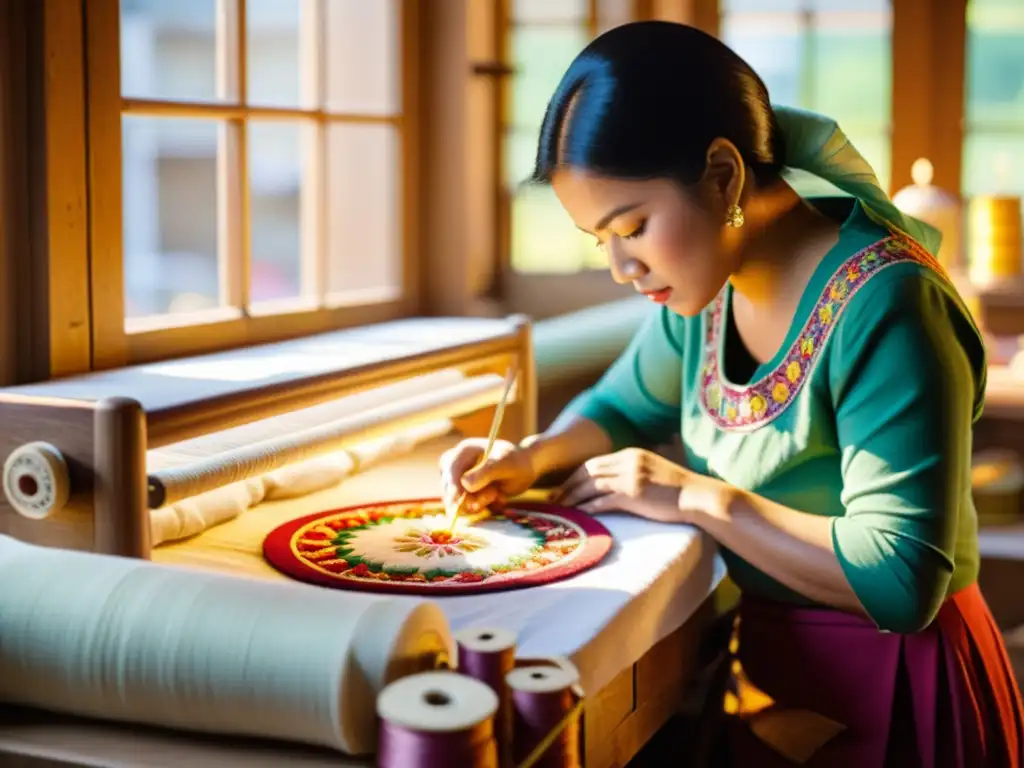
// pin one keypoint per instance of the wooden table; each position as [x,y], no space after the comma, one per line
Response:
[617,722]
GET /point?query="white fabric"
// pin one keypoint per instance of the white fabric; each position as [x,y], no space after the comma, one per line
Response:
[605,619]
[194,515]
[134,641]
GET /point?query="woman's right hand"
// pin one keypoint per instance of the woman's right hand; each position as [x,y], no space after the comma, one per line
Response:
[507,472]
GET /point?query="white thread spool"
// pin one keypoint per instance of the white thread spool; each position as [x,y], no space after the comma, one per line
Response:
[35,480]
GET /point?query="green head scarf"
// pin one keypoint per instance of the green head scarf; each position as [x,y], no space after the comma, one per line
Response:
[816,144]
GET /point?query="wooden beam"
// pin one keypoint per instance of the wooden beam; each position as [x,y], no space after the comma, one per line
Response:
[928,73]
[702,14]
[44,260]
[460,156]
[13,176]
[106,260]
[63,213]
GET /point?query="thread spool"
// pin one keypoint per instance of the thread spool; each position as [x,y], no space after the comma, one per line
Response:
[488,655]
[35,480]
[542,698]
[437,720]
[995,238]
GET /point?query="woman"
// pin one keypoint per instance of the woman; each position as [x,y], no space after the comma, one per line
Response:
[824,377]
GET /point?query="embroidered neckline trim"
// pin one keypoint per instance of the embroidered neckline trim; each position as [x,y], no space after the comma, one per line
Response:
[753,405]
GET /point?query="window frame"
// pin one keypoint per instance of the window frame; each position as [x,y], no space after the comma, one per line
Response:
[926,120]
[546,295]
[235,324]
[10,74]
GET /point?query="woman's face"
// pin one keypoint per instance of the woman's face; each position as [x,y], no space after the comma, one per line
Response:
[656,237]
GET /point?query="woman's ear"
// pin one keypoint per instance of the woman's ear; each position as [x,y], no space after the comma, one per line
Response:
[724,174]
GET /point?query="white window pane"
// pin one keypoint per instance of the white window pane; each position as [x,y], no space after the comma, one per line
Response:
[364,222]
[540,56]
[169,49]
[520,156]
[543,236]
[613,13]
[857,6]
[836,60]
[797,6]
[993,164]
[993,159]
[170,205]
[995,64]
[549,11]
[278,153]
[272,51]
[729,7]
[850,75]
[364,55]
[774,50]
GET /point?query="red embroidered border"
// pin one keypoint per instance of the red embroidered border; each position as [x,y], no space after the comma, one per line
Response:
[761,402]
[279,550]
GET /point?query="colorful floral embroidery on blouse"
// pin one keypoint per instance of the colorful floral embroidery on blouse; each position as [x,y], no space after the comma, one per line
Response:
[756,404]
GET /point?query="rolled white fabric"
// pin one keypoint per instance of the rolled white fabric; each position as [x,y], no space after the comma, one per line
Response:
[190,517]
[133,641]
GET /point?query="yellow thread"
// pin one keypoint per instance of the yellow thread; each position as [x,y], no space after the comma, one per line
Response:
[547,741]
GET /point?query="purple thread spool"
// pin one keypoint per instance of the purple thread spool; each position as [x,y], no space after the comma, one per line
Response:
[437,720]
[488,655]
[541,698]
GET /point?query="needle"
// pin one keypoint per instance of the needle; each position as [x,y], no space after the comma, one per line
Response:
[499,414]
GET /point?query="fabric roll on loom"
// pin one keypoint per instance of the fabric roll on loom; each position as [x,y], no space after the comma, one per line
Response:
[192,516]
[132,641]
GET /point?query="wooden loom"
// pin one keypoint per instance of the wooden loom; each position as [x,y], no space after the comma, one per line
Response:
[102,439]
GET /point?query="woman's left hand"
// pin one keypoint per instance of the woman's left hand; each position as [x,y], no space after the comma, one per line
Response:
[632,480]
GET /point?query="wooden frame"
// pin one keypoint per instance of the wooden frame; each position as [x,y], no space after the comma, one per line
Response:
[544,295]
[104,445]
[928,59]
[617,722]
[236,322]
[103,437]
[10,73]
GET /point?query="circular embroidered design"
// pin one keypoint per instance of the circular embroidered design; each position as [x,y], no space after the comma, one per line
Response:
[405,548]
[754,405]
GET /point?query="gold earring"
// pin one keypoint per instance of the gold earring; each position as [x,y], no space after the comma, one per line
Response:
[734,217]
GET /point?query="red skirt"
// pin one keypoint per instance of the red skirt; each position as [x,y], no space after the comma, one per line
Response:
[829,689]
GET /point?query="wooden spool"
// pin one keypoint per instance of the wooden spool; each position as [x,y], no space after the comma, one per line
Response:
[995,238]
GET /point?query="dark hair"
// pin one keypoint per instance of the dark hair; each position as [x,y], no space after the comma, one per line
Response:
[645,100]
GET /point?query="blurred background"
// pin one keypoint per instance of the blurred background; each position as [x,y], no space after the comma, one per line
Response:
[833,56]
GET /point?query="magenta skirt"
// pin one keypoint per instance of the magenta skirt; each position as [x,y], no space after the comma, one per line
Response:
[857,697]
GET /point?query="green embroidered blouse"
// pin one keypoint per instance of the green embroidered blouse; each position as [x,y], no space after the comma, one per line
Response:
[864,415]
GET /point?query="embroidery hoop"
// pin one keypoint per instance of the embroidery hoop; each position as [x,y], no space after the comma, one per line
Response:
[344,560]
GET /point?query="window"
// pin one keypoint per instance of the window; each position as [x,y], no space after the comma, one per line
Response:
[543,38]
[261,147]
[831,56]
[993,152]
[828,56]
